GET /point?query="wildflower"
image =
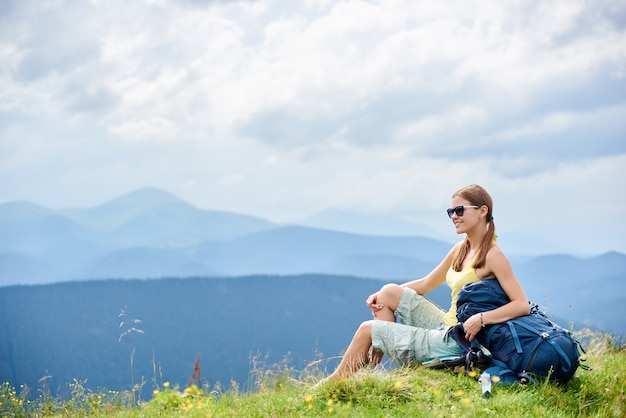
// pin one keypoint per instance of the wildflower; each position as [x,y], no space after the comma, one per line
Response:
[471,373]
[330,402]
[309,407]
[459,392]
[466,401]
[166,384]
[330,410]
[155,392]
[436,391]
[398,384]
[308,398]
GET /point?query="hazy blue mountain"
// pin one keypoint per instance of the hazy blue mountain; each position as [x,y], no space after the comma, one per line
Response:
[578,288]
[151,234]
[382,266]
[297,249]
[366,224]
[515,244]
[18,268]
[33,231]
[140,263]
[585,268]
[152,217]
[70,241]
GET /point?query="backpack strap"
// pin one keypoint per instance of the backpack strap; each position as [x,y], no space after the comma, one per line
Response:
[507,375]
[562,354]
[543,336]
[530,327]
[518,345]
[448,363]
[580,346]
[490,334]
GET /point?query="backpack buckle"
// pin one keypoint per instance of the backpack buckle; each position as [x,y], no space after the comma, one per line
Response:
[545,335]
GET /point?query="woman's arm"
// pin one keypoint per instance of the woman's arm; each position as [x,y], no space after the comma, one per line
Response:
[500,267]
[421,286]
[435,277]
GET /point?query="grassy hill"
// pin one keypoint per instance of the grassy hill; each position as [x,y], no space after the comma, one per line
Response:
[278,390]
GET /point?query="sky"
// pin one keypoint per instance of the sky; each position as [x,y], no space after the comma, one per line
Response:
[283,109]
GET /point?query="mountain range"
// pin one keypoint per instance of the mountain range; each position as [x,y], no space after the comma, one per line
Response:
[150,233]
[237,288]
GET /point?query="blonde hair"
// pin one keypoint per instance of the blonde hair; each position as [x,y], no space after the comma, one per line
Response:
[477,196]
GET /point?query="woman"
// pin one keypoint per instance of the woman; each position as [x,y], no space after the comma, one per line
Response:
[408,327]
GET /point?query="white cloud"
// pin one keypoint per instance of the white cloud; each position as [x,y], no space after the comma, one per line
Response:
[282,108]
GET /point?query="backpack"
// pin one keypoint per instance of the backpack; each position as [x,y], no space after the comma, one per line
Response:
[521,348]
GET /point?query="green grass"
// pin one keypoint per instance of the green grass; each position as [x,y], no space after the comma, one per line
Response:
[412,392]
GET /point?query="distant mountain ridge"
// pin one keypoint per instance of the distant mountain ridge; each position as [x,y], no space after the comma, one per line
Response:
[346,221]
[153,217]
[150,233]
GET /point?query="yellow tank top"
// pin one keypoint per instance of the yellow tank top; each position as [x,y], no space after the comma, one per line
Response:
[456,280]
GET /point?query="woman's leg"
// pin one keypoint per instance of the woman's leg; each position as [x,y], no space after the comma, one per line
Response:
[357,353]
[389,295]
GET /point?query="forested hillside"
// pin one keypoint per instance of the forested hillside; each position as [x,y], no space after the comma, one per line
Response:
[72,330]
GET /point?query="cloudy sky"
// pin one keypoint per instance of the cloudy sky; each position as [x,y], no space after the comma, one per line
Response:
[281,109]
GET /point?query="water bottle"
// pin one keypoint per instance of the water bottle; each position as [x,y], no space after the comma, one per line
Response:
[485,384]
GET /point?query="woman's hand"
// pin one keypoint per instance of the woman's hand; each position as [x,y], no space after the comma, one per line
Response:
[371,303]
[472,326]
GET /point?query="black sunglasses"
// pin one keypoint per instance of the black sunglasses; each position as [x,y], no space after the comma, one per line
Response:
[459,210]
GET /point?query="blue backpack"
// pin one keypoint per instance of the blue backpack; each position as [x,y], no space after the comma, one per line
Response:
[520,348]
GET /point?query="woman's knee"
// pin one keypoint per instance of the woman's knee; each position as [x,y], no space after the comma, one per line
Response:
[364,332]
[390,294]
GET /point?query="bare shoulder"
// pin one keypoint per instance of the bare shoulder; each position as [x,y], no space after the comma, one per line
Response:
[496,260]
[495,253]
